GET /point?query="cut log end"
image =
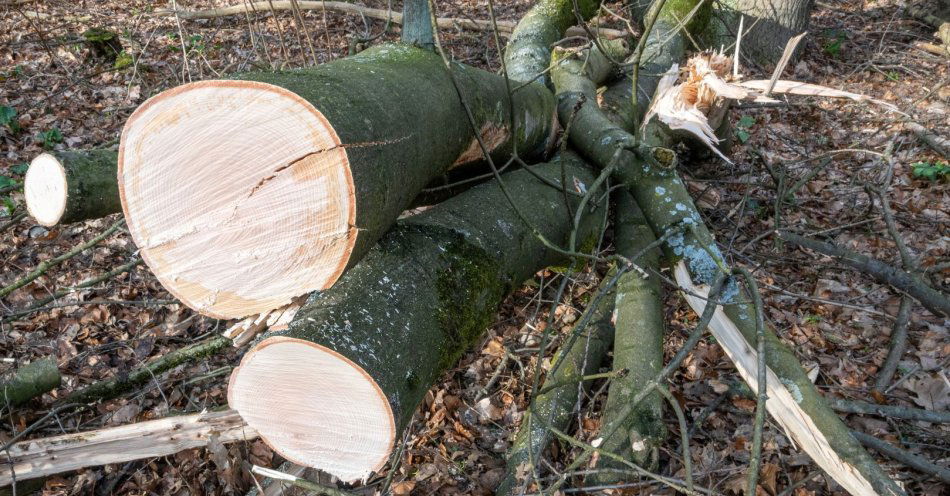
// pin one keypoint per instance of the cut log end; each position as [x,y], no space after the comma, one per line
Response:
[256,195]
[314,407]
[45,189]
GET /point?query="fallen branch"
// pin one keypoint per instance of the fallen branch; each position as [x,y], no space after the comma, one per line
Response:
[35,458]
[930,298]
[124,382]
[648,170]
[911,460]
[44,266]
[28,382]
[39,305]
[889,411]
[504,27]
[638,349]
[556,400]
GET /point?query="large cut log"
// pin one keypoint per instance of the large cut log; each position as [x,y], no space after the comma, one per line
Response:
[72,186]
[650,176]
[35,458]
[335,390]
[244,193]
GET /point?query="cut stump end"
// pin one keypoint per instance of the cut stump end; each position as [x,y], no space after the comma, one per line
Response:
[239,195]
[315,407]
[45,189]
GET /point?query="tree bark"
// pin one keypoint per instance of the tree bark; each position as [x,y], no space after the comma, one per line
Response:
[528,53]
[235,219]
[767,27]
[72,186]
[335,390]
[28,382]
[638,349]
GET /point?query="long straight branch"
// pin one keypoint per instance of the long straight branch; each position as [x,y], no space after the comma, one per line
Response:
[44,266]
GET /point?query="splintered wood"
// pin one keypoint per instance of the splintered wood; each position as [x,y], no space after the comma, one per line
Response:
[244,331]
[691,100]
[781,403]
[238,194]
[52,455]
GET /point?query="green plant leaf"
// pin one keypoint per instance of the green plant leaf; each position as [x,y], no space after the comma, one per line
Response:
[746,121]
[9,205]
[931,171]
[50,137]
[20,168]
[7,115]
[743,135]
[7,182]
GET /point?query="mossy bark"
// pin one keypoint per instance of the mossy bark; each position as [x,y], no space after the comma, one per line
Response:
[28,382]
[402,123]
[528,53]
[669,208]
[638,349]
[428,290]
[92,187]
[554,406]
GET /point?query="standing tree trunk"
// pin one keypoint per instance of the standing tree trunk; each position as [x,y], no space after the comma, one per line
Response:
[767,27]
[336,389]
[244,193]
[72,186]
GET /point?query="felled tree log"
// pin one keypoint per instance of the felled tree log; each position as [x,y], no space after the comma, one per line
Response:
[335,390]
[72,186]
[36,458]
[638,349]
[793,400]
[28,382]
[244,193]
[557,397]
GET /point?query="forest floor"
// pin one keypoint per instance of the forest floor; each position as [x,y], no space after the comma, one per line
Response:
[837,320]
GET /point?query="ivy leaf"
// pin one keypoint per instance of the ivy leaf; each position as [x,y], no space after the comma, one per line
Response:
[7,182]
[746,121]
[20,168]
[743,135]
[930,171]
[9,205]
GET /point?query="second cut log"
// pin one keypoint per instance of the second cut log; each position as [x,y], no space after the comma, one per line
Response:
[335,391]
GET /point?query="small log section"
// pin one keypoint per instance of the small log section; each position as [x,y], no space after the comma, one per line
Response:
[335,390]
[244,193]
[28,382]
[52,455]
[72,186]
